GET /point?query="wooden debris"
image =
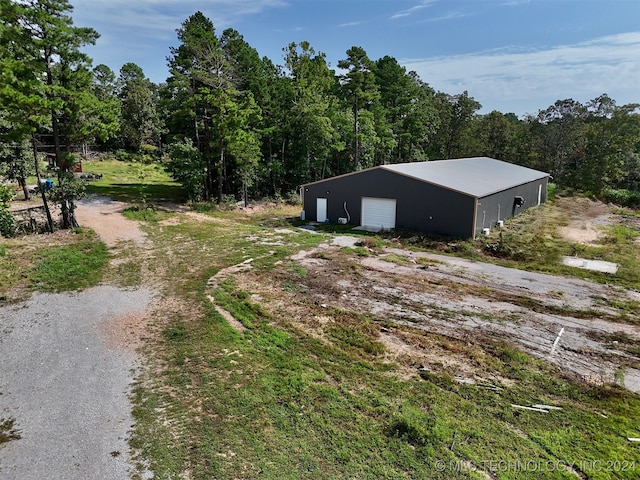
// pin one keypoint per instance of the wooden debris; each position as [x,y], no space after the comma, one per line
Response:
[547,407]
[555,344]
[533,409]
[633,439]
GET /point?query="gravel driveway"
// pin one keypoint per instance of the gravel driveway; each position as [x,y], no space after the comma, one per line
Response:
[65,382]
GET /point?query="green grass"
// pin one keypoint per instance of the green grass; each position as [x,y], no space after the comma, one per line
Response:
[132,181]
[283,401]
[531,242]
[127,273]
[76,267]
[277,402]
[143,213]
[7,430]
[71,261]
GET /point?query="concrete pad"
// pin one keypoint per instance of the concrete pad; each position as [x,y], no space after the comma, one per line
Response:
[345,241]
[368,229]
[596,265]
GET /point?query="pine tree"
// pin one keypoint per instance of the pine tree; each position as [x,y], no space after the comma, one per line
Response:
[46,78]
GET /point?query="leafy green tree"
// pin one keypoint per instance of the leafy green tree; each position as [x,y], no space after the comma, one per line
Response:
[612,146]
[313,104]
[493,136]
[7,222]
[456,115]
[87,115]
[194,66]
[250,74]
[421,122]
[204,74]
[186,166]
[106,114]
[406,118]
[244,146]
[277,173]
[140,121]
[15,156]
[233,114]
[45,86]
[560,139]
[66,192]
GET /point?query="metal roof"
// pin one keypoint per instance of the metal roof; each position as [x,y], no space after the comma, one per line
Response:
[477,176]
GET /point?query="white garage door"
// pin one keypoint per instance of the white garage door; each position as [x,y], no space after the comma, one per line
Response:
[378,212]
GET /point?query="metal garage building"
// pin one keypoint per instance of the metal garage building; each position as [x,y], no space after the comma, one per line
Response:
[457,198]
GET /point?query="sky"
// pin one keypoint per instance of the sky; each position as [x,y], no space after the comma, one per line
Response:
[513,56]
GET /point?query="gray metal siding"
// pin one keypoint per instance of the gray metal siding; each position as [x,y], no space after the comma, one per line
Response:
[500,205]
[420,206]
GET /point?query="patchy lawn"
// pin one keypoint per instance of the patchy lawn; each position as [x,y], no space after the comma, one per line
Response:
[375,361]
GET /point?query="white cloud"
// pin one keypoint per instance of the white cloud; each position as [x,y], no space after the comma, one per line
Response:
[412,10]
[164,16]
[349,24]
[516,3]
[448,16]
[526,81]
[141,31]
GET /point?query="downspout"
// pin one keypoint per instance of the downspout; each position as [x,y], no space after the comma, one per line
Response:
[475,218]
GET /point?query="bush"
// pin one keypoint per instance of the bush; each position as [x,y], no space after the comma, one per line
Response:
[7,222]
[622,197]
[292,198]
[147,213]
[6,195]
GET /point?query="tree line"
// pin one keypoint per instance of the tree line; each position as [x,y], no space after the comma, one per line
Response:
[229,123]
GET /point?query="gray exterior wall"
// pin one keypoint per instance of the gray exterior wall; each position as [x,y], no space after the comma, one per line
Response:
[501,206]
[420,206]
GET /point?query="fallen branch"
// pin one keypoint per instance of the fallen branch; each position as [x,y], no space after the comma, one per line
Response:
[533,409]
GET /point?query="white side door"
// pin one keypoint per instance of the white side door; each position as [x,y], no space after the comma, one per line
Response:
[321,210]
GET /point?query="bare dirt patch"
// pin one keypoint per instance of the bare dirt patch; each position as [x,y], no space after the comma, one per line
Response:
[586,217]
[126,332]
[465,301]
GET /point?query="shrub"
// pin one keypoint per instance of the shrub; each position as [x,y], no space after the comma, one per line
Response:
[6,195]
[625,198]
[7,222]
[292,198]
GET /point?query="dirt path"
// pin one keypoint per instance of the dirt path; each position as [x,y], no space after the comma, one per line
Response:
[104,216]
